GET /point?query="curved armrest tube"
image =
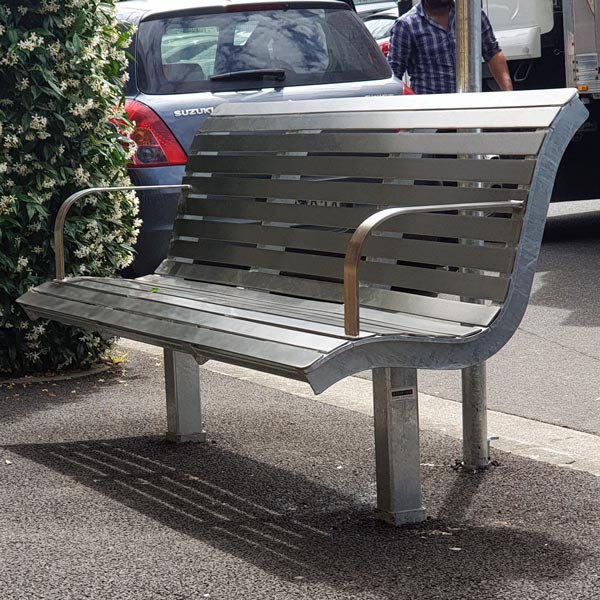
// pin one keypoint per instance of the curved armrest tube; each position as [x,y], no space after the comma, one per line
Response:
[59,251]
[355,246]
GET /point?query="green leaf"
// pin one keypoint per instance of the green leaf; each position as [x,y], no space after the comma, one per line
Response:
[56,89]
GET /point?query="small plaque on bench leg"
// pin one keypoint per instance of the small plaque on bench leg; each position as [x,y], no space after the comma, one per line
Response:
[184,409]
[397,453]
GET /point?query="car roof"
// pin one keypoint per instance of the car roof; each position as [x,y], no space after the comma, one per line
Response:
[136,10]
[369,7]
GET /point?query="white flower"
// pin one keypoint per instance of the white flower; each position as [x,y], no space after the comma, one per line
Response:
[31,43]
[79,110]
[9,59]
[55,50]
[38,123]
[50,6]
[7,204]
[80,176]
[22,262]
[11,141]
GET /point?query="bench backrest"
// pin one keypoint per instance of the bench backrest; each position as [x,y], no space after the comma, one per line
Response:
[278,188]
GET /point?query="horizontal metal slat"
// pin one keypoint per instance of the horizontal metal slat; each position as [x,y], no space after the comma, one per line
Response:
[493,229]
[437,169]
[289,314]
[521,100]
[485,118]
[514,143]
[206,342]
[439,253]
[415,278]
[349,192]
[203,316]
[270,308]
[209,277]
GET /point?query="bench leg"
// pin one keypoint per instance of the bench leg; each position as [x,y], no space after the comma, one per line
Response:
[184,409]
[476,447]
[397,455]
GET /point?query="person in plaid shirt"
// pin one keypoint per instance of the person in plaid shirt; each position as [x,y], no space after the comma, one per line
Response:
[423,44]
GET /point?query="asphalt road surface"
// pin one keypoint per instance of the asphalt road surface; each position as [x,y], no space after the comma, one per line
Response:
[550,370]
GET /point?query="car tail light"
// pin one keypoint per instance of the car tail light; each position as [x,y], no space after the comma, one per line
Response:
[406,91]
[385,47]
[156,145]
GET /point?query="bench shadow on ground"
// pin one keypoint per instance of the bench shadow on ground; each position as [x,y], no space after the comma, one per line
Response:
[568,276]
[301,531]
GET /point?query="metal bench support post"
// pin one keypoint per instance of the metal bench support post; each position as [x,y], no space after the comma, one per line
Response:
[397,455]
[476,450]
[184,410]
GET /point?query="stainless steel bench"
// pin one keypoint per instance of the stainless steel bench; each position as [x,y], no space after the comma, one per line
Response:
[267,267]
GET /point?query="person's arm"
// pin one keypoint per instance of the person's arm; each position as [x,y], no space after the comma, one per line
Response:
[493,55]
[400,46]
[499,70]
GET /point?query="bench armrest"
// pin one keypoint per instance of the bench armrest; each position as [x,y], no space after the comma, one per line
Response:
[355,246]
[59,224]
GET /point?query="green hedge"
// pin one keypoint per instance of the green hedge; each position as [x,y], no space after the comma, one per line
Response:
[61,80]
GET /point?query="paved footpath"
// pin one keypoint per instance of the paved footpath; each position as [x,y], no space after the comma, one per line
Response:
[278,504]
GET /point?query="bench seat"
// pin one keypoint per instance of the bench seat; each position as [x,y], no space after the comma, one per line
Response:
[291,335]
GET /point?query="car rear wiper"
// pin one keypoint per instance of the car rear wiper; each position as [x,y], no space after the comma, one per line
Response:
[277,74]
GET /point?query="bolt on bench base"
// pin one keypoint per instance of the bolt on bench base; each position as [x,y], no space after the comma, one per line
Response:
[184,408]
[397,455]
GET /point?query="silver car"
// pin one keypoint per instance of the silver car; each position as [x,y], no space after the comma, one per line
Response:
[189,56]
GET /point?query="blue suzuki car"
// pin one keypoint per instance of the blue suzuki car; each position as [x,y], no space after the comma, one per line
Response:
[189,56]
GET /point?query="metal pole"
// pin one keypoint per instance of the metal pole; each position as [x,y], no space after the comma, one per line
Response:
[468,79]
[468,46]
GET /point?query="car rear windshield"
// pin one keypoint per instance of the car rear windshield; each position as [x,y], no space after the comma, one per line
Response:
[264,48]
